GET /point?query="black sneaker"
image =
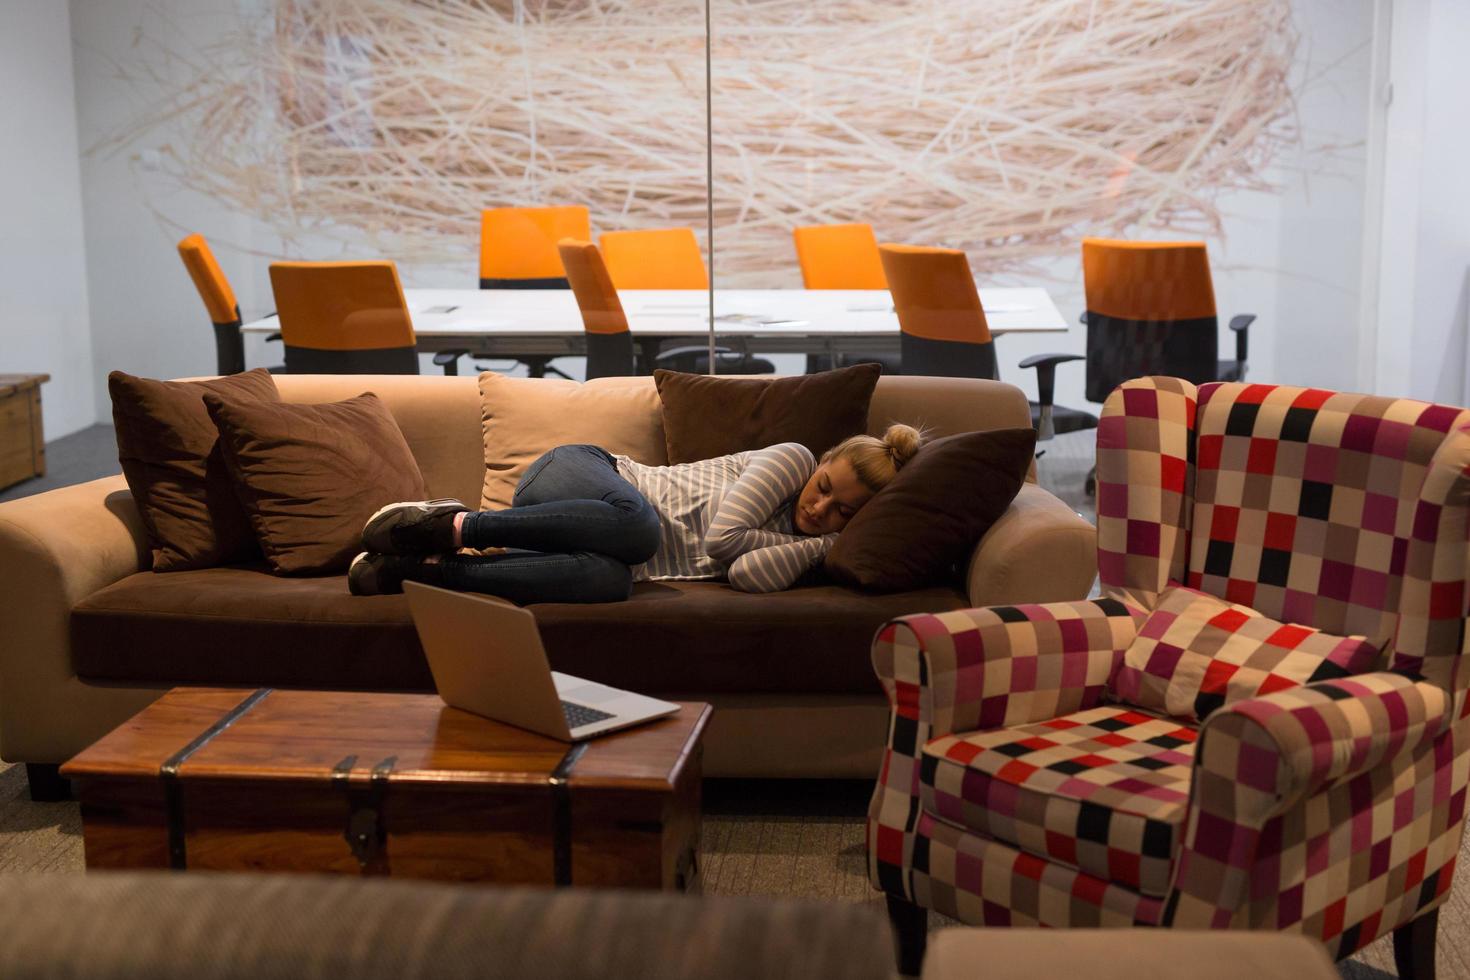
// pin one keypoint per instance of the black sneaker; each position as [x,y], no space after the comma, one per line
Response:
[372,574]
[413,527]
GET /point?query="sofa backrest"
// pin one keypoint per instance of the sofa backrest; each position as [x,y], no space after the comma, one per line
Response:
[440,416]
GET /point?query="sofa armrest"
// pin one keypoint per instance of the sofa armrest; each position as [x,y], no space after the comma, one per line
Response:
[56,548]
[1260,758]
[1039,551]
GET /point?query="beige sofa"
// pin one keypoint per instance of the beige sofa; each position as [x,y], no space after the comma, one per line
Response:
[87,637]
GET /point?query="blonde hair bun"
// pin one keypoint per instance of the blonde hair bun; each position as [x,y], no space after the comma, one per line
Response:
[876,461]
[903,441]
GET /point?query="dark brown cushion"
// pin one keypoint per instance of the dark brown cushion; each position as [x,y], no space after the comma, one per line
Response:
[169,450]
[311,475]
[243,626]
[705,417]
[916,529]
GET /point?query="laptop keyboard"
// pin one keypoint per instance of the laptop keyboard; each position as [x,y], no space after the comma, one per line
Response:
[578,715]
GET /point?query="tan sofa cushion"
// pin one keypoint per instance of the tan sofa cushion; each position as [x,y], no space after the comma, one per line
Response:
[521,418]
[243,626]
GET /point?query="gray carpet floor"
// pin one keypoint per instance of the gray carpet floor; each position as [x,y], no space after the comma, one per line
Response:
[800,839]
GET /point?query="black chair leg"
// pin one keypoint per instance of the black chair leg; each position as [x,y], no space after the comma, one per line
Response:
[1413,947]
[47,785]
[910,934]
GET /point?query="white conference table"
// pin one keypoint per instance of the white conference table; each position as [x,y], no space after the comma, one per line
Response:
[546,322]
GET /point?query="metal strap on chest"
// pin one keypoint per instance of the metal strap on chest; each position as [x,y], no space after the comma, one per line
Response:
[366,832]
[173,789]
[561,815]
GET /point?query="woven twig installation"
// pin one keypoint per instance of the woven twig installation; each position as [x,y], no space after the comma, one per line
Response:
[1005,127]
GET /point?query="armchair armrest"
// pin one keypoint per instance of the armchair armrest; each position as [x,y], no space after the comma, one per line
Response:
[1241,325]
[999,666]
[1258,759]
[975,669]
[1039,551]
[1324,732]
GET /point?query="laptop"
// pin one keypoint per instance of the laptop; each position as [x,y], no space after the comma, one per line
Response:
[486,657]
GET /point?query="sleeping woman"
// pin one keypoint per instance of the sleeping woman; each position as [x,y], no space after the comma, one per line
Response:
[584,525]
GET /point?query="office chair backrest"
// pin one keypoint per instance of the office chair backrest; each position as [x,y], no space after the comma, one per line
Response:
[942,325]
[343,318]
[219,302]
[659,258]
[839,257]
[214,288]
[1150,311]
[518,245]
[609,343]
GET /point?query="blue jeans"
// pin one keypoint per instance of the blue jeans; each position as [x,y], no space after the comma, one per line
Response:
[576,526]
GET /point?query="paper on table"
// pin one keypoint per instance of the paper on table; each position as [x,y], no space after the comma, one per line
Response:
[1008,308]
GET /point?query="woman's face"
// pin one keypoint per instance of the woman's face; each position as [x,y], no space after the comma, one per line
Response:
[829,499]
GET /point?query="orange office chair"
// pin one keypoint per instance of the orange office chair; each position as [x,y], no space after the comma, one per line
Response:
[219,301]
[347,318]
[839,257]
[518,251]
[1150,311]
[659,258]
[610,350]
[669,258]
[609,342]
[943,331]
[518,246]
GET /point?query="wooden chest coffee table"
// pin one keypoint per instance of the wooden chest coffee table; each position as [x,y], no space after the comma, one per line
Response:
[226,779]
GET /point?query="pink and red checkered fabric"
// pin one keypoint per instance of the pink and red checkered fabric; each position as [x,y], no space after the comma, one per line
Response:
[1197,652]
[1333,808]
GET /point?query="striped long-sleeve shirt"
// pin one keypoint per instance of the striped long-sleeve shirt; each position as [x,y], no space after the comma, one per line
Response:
[730,516]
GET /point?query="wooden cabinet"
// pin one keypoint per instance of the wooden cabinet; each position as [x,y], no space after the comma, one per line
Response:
[22,447]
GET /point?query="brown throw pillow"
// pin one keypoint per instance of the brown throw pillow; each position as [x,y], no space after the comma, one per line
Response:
[705,416]
[169,450]
[310,476]
[916,530]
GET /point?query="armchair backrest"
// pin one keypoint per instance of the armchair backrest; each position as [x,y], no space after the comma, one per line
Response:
[1341,511]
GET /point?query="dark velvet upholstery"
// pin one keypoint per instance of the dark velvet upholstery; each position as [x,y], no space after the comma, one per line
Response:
[240,625]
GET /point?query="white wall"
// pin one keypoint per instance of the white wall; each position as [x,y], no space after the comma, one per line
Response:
[1422,317]
[151,320]
[44,325]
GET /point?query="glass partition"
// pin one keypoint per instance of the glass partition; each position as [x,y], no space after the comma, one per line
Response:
[332,129]
[1014,129]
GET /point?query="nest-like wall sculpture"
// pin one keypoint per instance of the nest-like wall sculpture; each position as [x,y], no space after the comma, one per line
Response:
[1004,127]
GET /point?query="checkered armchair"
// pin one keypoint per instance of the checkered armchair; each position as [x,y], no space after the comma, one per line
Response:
[1017,790]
